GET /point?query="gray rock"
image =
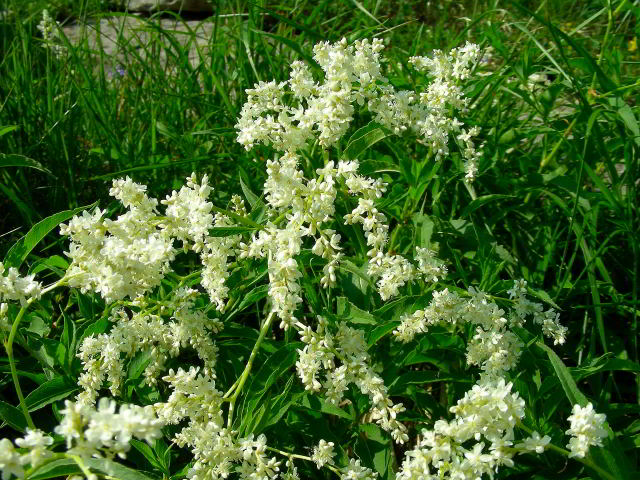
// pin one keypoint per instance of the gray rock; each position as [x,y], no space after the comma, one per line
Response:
[156,5]
[119,37]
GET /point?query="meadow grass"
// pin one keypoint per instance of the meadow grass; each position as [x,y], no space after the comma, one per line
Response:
[555,201]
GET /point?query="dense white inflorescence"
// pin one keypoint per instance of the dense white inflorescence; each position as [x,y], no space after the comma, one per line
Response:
[475,443]
[104,355]
[493,347]
[125,259]
[15,287]
[587,429]
[341,357]
[352,75]
[89,432]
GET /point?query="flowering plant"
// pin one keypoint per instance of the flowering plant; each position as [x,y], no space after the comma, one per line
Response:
[290,338]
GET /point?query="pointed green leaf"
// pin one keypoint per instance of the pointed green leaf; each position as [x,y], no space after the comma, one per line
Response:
[364,138]
[13,160]
[21,249]
[12,416]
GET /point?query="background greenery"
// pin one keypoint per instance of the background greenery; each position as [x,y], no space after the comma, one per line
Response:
[556,201]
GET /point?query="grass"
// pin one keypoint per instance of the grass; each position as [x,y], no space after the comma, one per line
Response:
[556,201]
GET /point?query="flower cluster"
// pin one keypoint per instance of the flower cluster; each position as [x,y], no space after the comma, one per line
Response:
[102,431]
[14,287]
[323,453]
[50,34]
[189,218]
[118,258]
[486,417]
[587,429]
[89,432]
[523,307]
[493,347]
[323,351]
[217,450]
[129,256]
[12,462]
[353,76]
[104,355]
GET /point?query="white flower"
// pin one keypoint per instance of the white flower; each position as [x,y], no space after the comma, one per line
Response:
[534,443]
[323,453]
[10,461]
[37,442]
[15,287]
[587,429]
[355,471]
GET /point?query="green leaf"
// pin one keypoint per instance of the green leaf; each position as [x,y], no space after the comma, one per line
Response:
[348,266]
[138,364]
[318,404]
[276,365]
[148,453]
[253,199]
[56,469]
[8,129]
[52,390]
[228,231]
[481,201]
[420,377]
[55,263]
[12,416]
[373,447]
[254,296]
[630,121]
[21,249]
[379,332]
[569,386]
[353,314]
[364,138]
[115,470]
[424,229]
[13,160]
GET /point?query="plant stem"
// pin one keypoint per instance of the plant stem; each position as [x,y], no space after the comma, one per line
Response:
[291,456]
[8,346]
[247,369]
[567,453]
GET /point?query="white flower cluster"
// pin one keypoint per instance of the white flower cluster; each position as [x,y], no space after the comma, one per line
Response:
[323,453]
[353,75]
[534,443]
[523,307]
[118,258]
[12,462]
[476,442]
[104,356]
[189,219]
[103,432]
[50,34]
[444,92]
[355,471]
[320,355]
[587,429]
[14,287]
[129,256]
[493,347]
[217,450]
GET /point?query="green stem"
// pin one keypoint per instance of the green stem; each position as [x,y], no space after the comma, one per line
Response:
[302,457]
[567,453]
[8,346]
[85,470]
[612,14]
[232,397]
